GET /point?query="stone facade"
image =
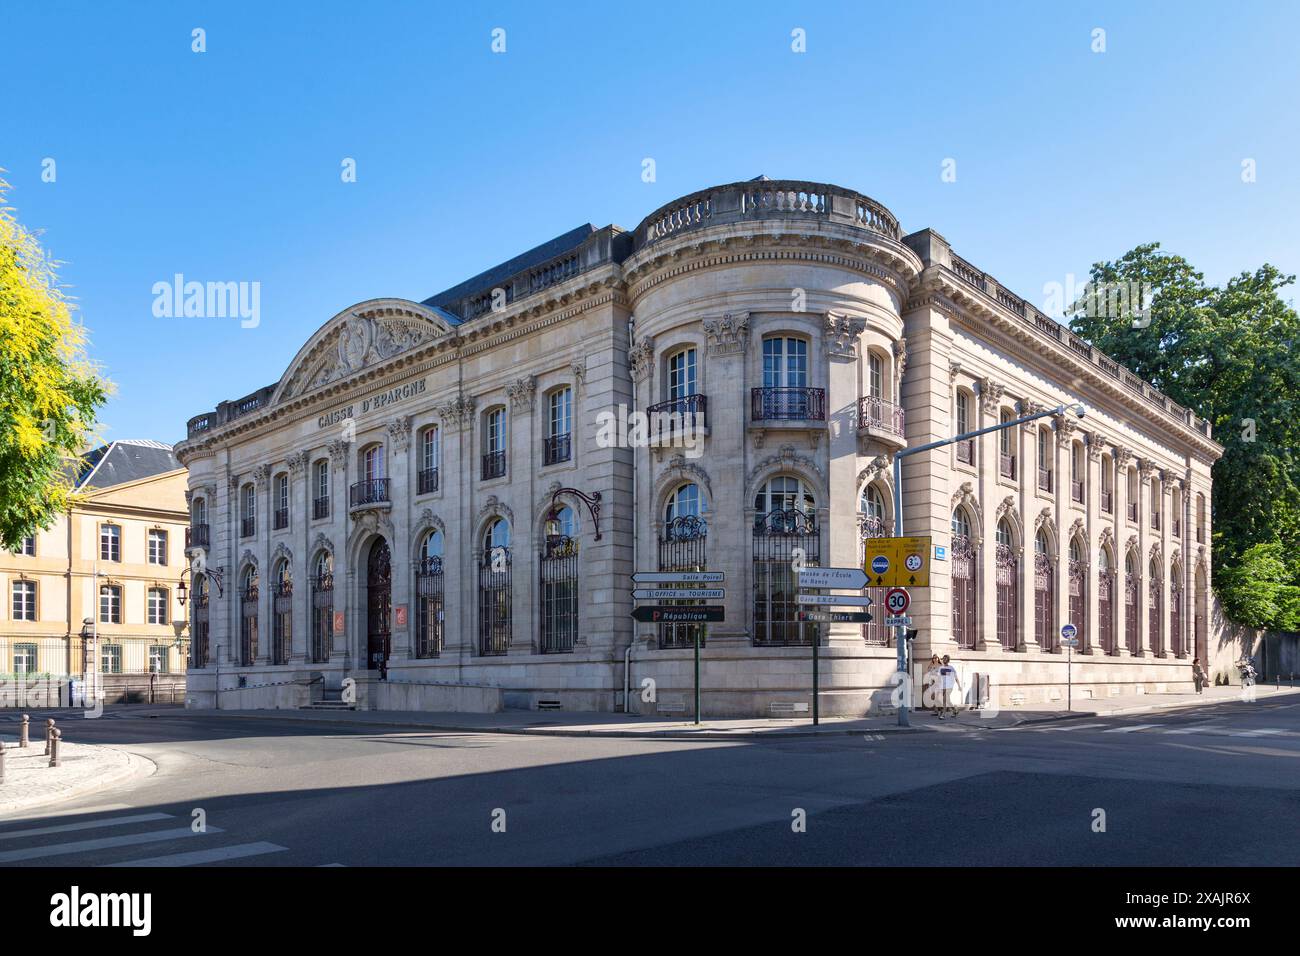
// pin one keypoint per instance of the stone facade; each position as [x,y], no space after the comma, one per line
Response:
[785,339]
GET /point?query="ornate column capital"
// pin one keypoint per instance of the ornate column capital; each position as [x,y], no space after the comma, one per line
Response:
[900,356]
[1123,457]
[727,333]
[842,333]
[578,369]
[262,475]
[297,463]
[990,396]
[641,357]
[338,451]
[399,433]
[523,393]
[459,412]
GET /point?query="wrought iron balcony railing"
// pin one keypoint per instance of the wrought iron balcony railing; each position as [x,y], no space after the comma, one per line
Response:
[678,415]
[371,492]
[1007,465]
[877,413]
[197,536]
[247,527]
[427,481]
[320,507]
[788,404]
[494,464]
[556,448]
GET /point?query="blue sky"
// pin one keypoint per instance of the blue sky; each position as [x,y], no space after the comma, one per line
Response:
[225,165]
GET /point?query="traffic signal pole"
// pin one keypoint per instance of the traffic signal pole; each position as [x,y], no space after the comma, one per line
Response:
[900,632]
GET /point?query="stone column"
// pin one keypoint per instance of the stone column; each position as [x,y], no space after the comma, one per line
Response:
[401,492]
[844,349]
[1123,458]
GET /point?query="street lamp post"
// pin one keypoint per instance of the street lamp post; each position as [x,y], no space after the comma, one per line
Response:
[900,639]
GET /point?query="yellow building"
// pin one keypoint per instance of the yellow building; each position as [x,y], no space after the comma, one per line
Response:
[116,559]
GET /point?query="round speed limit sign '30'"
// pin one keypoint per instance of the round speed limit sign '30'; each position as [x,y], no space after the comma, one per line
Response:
[897,601]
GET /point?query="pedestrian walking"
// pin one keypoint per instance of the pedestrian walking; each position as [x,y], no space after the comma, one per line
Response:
[1198,674]
[949,684]
[930,683]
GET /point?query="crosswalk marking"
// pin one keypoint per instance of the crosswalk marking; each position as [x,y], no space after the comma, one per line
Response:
[1259,733]
[104,843]
[1198,729]
[214,855]
[1130,729]
[1080,726]
[85,825]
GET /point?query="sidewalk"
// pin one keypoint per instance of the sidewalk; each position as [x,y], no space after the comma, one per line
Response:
[83,768]
[550,723]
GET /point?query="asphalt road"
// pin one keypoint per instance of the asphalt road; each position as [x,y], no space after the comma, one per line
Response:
[1216,786]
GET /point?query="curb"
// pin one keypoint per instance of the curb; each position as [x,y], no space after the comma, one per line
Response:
[1148,708]
[134,765]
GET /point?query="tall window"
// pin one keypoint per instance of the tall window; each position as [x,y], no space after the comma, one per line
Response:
[681,374]
[683,546]
[1006,450]
[281,614]
[110,542]
[1044,593]
[157,546]
[1131,494]
[873,524]
[199,626]
[559,583]
[1200,518]
[320,505]
[785,519]
[199,512]
[1156,494]
[429,611]
[372,463]
[281,502]
[1078,572]
[495,589]
[559,426]
[494,444]
[24,594]
[248,516]
[964,562]
[1044,459]
[875,375]
[1176,640]
[1105,602]
[1007,569]
[110,604]
[428,480]
[965,447]
[322,608]
[1077,471]
[248,618]
[27,547]
[1132,583]
[1155,585]
[785,362]
[157,610]
[1107,485]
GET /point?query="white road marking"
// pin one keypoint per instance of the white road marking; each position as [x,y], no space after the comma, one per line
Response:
[84,846]
[85,825]
[100,808]
[1259,733]
[197,857]
[1198,729]
[1129,730]
[1079,727]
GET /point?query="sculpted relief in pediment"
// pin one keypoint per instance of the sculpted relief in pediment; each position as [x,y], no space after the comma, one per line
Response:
[358,342]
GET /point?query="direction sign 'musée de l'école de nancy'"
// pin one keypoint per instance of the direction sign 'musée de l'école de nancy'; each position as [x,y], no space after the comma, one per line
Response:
[852,579]
[897,562]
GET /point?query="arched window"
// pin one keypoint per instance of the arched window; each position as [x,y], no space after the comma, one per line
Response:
[683,546]
[198,519]
[320,503]
[559,582]
[427,480]
[248,589]
[1200,518]
[1176,520]
[1044,593]
[785,362]
[785,521]
[322,608]
[495,589]
[1106,602]
[784,493]
[558,445]
[281,614]
[199,623]
[964,562]
[1155,588]
[1176,639]
[785,394]
[1006,563]
[248,511]
[1132,586]
[874,524]
[681,375]
[494,443]
[965,447]
[430,613]
[1078,571]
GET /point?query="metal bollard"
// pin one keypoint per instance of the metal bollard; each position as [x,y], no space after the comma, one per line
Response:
[22,730]
[2,761]
[49,729]
[55,735]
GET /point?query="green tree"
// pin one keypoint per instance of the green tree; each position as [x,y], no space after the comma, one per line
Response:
[1228,354]
[49,391]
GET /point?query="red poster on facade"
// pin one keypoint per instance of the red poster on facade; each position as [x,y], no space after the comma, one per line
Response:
[338,622]
[399,615]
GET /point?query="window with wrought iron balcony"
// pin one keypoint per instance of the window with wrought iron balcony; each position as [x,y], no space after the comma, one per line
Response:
[556,448]
[677,416]
[197,536]
[966,451]
[280,520]
[247,527]
[320,507]
[774,404]
[426,481]
[1007,465]
[1177,528]
[877,414]
[369,492]
[1155,520]
[1076,490]
[494,465]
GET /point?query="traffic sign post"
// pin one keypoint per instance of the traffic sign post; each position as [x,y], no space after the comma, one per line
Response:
[840,600]
[697,614]
[898,562]
[1069,637]
[846,579]
[678,594]
[704,614]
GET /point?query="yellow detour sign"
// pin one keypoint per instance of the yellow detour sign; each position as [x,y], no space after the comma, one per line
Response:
[897,562]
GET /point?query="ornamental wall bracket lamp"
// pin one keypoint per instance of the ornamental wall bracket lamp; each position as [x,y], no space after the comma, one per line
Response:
[592,501]
[215,575]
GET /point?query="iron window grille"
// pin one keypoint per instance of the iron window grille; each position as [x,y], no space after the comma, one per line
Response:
[429,607]
[495,599]
[776,536]
[683,546]
[558,580]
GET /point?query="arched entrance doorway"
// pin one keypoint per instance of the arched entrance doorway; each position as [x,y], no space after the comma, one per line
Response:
[379,603]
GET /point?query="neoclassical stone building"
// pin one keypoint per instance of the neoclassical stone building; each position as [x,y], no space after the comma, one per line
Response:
[445,500]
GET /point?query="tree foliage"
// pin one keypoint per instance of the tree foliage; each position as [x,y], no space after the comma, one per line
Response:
[49,391]
[1229,353]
